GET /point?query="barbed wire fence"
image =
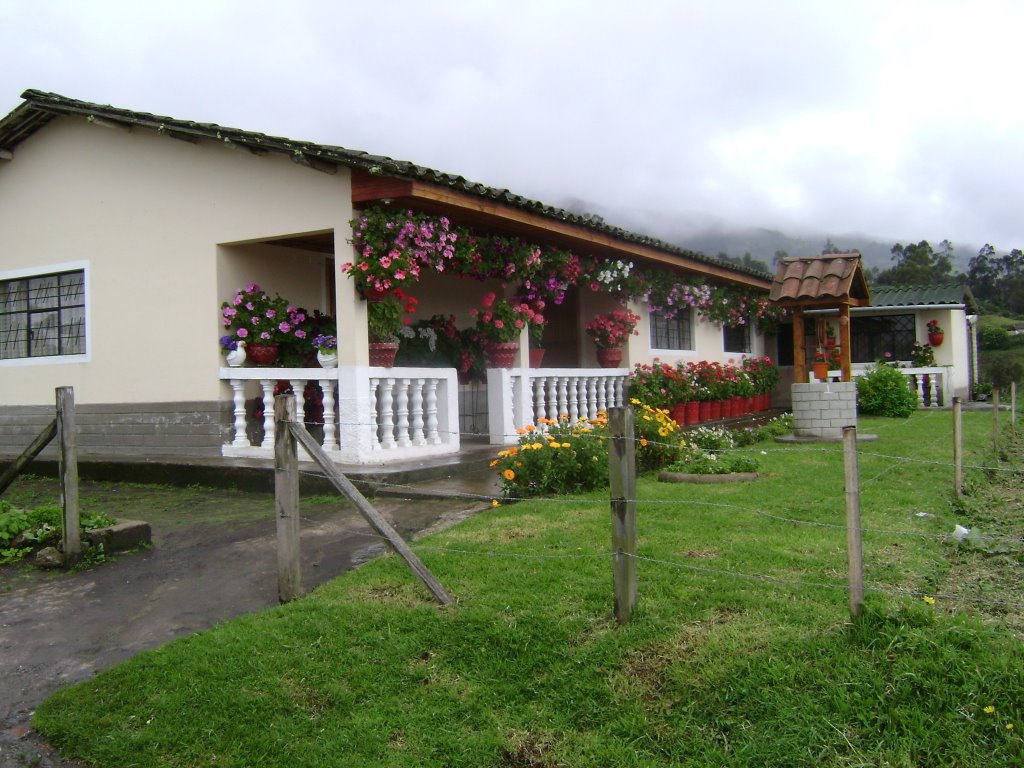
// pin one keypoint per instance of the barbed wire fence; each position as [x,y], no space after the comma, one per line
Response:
[626,559]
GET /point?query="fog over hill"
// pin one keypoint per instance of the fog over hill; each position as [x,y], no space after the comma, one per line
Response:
[712,236]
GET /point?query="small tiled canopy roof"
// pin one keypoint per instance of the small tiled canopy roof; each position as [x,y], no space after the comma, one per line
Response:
[821,281]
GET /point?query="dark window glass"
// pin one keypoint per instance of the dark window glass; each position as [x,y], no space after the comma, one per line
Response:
[736,339]
[872,337]
[42,316]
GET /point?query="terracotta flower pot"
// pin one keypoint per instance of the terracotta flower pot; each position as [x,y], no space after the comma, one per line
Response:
[704,410]
[935,339]
[382,353]
[716,410]
[609,357]
[372,294]
[820,371]
[262,354]
[501,354]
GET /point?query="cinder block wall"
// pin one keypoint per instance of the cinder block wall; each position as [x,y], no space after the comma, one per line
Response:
[137,429]
[822,409]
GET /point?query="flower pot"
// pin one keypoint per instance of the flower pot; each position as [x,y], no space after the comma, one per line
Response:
[693,412]
[372,294]
[382,353]
[609,357]
[678,414]
[262,354]
[737,406]
[536,358]
[501,354]
[327,359]
[715,412]
[704,411]
[820,371]
[935,339]
[748,404]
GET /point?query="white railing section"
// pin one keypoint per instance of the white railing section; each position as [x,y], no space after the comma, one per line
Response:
[371,415]
[930,384]
[520,396]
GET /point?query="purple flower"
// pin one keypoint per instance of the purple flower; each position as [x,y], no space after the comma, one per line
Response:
[300,334]
[265,336]
[242,333]
[284,328]
[271,314]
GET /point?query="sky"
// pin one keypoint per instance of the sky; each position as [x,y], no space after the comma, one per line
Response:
[899,119]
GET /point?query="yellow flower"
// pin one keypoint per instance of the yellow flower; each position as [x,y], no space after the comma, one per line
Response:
[663,432]
[503,453]
[495,463]
[567,445]
[553,444]
[537,446]
[929,599]
[634,401]
[646,417]
[495,503]
[989,710]
[643,441]
[1009,726]
[519,464]
[508,474]
[593,458]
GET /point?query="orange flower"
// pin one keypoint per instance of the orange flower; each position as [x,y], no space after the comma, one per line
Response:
[508,474]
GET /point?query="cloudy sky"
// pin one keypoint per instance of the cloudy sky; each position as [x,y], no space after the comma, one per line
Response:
[901,120]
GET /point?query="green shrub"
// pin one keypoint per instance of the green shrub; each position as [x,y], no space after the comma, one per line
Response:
[697,461]
[884,391]
[657,436]
[555,458]
[993,337]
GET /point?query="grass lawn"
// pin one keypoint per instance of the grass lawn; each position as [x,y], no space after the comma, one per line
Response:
[741,651]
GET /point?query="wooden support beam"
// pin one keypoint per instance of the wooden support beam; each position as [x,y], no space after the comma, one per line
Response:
[35,448]
[799,348]
[622,475]
[844,343]
[68,463]
[286,501]
[367,510]
[313,162]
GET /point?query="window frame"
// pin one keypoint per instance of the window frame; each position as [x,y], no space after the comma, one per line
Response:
[653,316]
[44,270]
[747,337]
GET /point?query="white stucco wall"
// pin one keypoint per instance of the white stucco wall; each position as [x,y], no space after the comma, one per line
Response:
[160,225]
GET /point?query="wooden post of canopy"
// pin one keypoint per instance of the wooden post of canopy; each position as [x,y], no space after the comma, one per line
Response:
[799,348]
[844,343]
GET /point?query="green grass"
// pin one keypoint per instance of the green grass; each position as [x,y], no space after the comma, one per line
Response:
[740,653]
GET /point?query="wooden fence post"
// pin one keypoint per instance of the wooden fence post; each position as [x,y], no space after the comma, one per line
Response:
[18,465]
[68,463]
[1013,405]
[622,476]
[958,449]
[995,419]
[854,553]
[286,500]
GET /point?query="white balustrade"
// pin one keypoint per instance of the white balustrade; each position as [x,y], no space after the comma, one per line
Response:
[386,414]
[520,396]
[930,384]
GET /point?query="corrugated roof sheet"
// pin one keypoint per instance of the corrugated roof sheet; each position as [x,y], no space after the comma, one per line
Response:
[814,278]
[41,107]
[922,295]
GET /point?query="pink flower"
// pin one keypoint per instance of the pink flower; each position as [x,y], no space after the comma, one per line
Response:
[499,324]
[300,334]
[242,333]
[284,328]
[488,299]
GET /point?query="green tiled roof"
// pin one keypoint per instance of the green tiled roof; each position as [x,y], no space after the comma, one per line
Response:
[39,108]
[922,295]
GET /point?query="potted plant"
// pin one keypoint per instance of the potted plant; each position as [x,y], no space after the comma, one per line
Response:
[235,350]
[326,347]
[830,336]
[820,365]
[536,327]
[261,321]
[609,332]
[498,323]
[383,320]
[935,333]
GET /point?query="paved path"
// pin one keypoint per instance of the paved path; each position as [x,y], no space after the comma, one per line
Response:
[57,629]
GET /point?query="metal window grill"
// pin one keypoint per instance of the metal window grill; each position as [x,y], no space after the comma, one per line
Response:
[43,316]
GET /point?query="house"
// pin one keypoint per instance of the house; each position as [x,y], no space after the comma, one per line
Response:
[122,233]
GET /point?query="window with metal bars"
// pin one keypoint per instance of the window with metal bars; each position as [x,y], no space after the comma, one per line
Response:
[736,339]
[872,337]
[43,316]
[672,332]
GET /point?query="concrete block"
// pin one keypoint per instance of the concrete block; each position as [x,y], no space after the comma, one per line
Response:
[124,534]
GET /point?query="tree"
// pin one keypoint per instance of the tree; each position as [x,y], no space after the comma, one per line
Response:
[919,264]
[998,280]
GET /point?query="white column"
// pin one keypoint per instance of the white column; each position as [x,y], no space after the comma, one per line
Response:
[241,440]
[268,414]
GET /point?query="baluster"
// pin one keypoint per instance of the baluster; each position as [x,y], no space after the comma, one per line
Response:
[241,439]
[573,408]
[553,398]
[430,413]
[538,397]
[402,413]
[374,411]
[330,430]
[299,390]
[620,398]
[591,397]
[387,414]
[268,414]
[918,388]
[562,405]
[416,412]
[933,390]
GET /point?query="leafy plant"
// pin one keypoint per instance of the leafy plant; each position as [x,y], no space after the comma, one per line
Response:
[555,457]
[612,329]
[501,320]
[384,318]
[657,436]
[884,391]
[922,355]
